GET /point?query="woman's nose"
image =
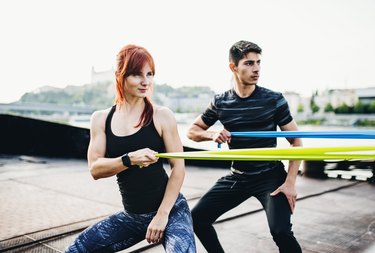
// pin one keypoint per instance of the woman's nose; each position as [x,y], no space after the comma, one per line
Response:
[145,81]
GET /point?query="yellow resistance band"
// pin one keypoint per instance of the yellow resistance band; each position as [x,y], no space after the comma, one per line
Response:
[267,154]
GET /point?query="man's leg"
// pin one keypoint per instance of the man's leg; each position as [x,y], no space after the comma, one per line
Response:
[278,213]
[226,194]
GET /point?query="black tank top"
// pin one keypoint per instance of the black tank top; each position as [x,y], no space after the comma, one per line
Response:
[142,189]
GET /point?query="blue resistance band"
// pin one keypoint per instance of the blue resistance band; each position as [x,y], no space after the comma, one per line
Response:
[366,134]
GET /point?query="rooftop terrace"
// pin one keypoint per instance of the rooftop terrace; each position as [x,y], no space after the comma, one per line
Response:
[46,202]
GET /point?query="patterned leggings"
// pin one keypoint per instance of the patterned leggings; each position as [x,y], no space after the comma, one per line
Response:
[122,230]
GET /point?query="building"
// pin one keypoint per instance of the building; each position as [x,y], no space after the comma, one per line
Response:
[102,76]
[366,95]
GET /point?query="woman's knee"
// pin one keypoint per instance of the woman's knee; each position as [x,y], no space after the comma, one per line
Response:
[181,246]
[179,238]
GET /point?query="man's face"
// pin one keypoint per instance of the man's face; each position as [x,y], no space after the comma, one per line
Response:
[247,71]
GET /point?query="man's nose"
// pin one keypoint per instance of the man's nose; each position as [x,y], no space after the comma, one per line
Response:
[256,67]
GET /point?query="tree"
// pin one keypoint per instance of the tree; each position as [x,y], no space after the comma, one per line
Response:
[371,107]
[343,108]
[328,108]
[359,107]
[314,107]
[300,108]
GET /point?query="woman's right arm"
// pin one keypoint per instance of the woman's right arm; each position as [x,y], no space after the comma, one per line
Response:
[101,167]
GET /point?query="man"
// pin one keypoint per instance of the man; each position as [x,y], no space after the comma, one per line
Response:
[248,107]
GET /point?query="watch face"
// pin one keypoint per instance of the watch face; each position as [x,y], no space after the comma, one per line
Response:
[125,160]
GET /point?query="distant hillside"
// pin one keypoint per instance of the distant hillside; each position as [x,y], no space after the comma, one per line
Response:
[101,95]
[94,95]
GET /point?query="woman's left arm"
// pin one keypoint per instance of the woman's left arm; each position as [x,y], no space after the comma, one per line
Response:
[172,143]
[164,118]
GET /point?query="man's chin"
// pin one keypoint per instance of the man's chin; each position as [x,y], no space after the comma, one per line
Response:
[250,84]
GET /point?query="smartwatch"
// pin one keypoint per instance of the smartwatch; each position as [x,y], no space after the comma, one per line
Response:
[126,160]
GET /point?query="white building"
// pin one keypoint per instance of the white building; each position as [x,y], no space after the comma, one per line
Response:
[366,95]
[337,97]
[102,76]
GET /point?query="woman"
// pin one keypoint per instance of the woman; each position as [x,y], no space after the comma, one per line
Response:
[124,141]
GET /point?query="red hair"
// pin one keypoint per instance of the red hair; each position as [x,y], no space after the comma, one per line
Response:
[130,60]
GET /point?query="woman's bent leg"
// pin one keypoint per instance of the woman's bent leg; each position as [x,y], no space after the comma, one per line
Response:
[179,235]
[115,233]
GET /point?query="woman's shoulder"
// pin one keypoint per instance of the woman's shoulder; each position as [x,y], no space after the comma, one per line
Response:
[163,116]
[101,113]
[99,117]
[162,111]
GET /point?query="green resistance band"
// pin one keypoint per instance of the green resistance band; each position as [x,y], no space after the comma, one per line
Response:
[268,154]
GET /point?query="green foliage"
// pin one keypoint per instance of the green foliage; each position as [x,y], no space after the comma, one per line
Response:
[343,108]
[314,108]
[328,108]
[164,88]
[102,95]
[365,123]
[300,108]
[371,107]
[194,91]
[359,107]
[95,96]
[316,122]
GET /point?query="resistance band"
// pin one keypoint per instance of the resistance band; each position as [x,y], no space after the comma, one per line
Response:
[367,134]
[267,154]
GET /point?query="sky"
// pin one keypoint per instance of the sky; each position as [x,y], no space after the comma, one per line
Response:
[308,45]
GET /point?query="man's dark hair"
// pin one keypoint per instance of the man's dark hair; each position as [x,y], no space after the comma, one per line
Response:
[240,49]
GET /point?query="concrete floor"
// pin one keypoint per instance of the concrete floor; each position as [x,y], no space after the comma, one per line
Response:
[45,202]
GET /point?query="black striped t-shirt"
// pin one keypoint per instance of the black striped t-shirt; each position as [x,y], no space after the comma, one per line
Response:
[263,110]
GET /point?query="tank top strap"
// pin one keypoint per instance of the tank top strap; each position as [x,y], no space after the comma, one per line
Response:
[109,118]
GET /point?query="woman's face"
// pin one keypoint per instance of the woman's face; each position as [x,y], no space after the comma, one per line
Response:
[139,84]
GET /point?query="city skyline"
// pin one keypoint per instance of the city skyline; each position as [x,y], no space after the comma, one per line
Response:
[307,45]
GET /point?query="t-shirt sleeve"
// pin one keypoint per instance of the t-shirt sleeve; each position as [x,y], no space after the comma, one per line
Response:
[282,116]
[209,116]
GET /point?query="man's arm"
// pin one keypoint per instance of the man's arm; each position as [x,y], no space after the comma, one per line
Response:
[198,132]
[294,142]
[288,187]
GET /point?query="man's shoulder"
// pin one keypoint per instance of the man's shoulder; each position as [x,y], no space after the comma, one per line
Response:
[224,95]
[266,92]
